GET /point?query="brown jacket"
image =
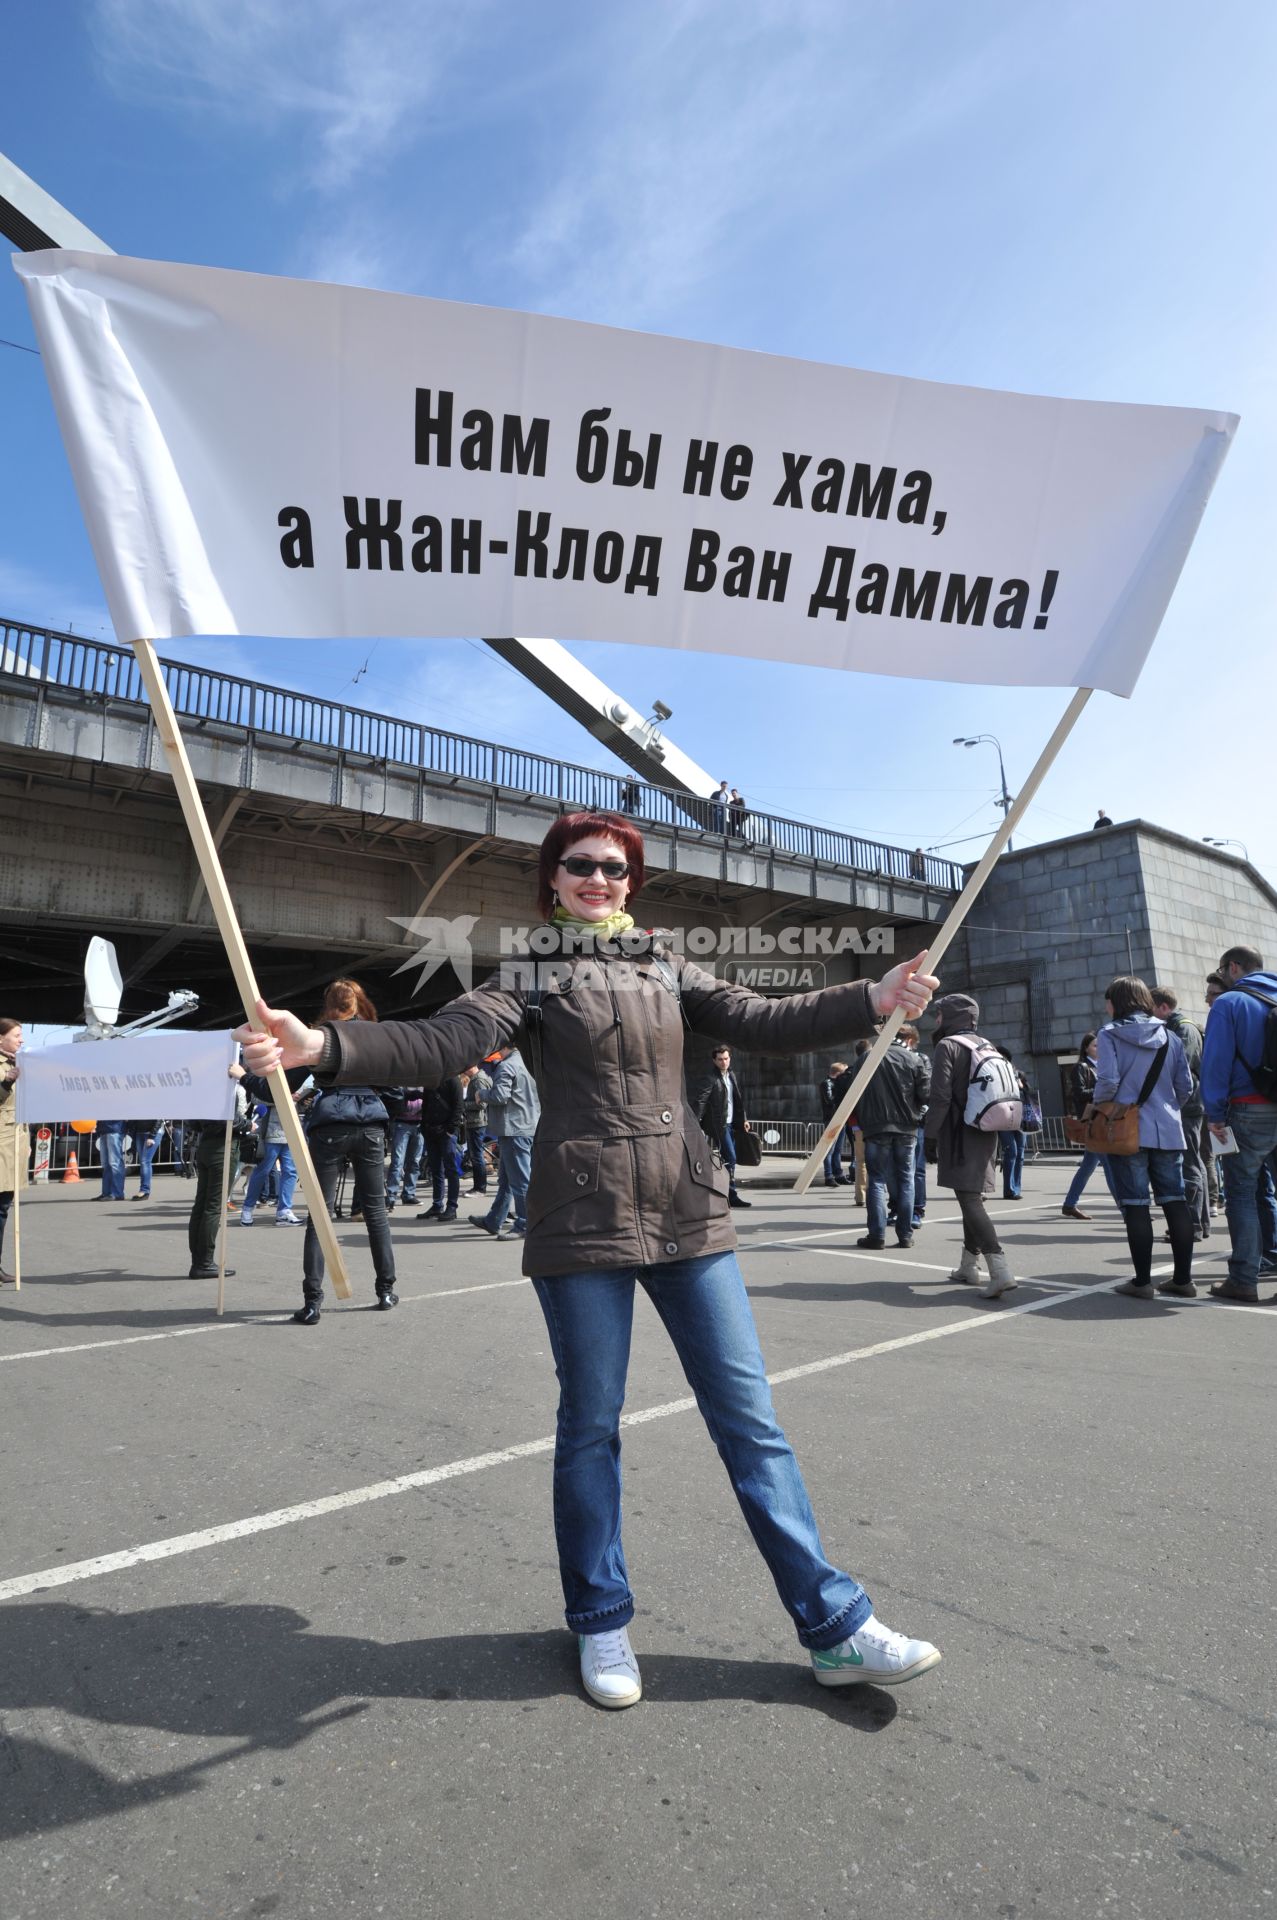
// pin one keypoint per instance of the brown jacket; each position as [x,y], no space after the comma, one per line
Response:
[621,1173]
[964,1154]
[9,1129]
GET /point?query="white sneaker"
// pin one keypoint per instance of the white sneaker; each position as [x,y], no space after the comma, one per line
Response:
[609,1670]
[246,1217]
[873,1656]
[287,1219]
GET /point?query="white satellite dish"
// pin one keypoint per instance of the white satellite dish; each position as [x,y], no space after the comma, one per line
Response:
[103,986]
[104,990]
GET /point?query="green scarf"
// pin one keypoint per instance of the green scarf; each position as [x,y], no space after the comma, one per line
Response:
[616,923]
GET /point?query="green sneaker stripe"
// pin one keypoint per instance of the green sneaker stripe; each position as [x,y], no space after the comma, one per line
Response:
[834,1657]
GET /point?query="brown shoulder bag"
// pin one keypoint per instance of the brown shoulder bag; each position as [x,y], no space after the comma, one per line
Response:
[1113,1128]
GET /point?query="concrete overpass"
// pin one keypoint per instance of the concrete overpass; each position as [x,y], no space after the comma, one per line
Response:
[337,825]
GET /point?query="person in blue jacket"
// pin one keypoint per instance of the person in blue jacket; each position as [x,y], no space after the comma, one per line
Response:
[1135,1052]
[1232,1056]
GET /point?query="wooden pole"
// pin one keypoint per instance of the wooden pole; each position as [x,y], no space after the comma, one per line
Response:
[944,939]
[236,952]
[221,1230]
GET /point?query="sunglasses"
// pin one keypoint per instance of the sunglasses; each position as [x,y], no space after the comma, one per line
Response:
[582,869]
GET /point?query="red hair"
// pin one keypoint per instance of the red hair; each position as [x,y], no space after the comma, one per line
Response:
[346,1000]
[565,833]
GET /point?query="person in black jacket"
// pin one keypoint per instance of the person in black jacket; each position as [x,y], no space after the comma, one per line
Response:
[834,1175]
[721,1111]
[442,1119]
[890,1111]
[349,1123]
[1081,1092]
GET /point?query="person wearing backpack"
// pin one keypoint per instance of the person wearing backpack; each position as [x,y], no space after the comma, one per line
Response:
[974,1095]
[1140,1063]
[1239,1091]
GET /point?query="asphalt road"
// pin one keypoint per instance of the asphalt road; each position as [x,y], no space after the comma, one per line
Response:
[369,1706]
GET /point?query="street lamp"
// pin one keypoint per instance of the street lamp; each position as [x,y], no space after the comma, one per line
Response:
[1227,843]
[975,739]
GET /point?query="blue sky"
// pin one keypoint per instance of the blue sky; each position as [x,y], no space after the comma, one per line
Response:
[1053,197]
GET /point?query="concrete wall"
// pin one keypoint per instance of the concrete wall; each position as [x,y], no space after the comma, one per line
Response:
[1058,921]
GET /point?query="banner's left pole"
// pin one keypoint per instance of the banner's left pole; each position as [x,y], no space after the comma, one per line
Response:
[236,952]
[221,1225]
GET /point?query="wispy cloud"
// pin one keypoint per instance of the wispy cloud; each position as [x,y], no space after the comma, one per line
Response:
[28,594]
[780,112]
[357,78]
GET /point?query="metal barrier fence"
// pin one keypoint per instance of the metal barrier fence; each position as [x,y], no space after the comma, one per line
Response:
[88,1157]
[800,1136]
[791,1136]
[105,673]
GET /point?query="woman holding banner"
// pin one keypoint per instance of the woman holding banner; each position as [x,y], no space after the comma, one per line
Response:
[12,1163]
[625,1190]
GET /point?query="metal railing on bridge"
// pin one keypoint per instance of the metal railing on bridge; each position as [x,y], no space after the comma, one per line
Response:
[99,671]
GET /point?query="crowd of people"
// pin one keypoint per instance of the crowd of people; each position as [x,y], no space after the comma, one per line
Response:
[1203,1127]
[626,1192]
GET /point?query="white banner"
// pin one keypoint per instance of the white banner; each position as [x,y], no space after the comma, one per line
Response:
[144,1076]
[275,457]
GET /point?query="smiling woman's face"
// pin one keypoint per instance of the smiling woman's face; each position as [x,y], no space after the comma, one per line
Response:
[591,896]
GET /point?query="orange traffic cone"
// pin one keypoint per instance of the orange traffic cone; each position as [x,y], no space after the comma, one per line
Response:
[72,1173]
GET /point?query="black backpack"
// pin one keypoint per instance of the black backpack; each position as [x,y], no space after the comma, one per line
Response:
[1263,1071]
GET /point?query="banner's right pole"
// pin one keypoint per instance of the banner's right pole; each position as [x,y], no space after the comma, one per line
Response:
[944,939]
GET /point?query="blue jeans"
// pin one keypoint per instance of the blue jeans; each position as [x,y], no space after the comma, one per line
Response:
[145,1161]
[1266,1201]
[889,1173]
[475,1137]
[275,1157]
[706,1313]
[111,1147]
[514,1162]
[920,1175]
[833,1162]
[1255,1130]
[1132,1174]
[727,1151]
[1012,1164]
[405,1158]
[1086,1167]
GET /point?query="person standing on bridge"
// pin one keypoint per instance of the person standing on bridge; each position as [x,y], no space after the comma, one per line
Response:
[625,1192]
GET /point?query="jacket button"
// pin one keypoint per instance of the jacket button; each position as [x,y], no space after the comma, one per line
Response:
[582,1179]
[667,1116]
[671,1246]
[699,1164]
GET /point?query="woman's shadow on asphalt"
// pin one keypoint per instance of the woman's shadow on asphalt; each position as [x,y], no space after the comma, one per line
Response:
[256,1676]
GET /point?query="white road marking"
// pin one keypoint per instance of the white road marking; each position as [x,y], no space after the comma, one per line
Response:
[266,1317]
[182,1543]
